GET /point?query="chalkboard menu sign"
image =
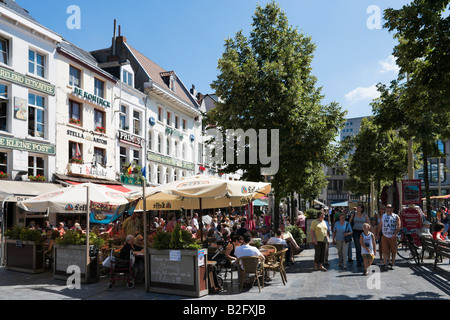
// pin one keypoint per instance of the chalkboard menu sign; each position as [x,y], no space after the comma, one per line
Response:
[174,272]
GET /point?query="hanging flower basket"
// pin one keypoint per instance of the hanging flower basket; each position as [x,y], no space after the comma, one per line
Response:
[3,175]
[76,160]
[100,129]
[75,121]
[37,178]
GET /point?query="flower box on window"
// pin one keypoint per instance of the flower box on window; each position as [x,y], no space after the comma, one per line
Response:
[100,129]
[3,175]
[37,178]
[75,121]
[76,160]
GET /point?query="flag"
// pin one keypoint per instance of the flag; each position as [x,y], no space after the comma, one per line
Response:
[130,169]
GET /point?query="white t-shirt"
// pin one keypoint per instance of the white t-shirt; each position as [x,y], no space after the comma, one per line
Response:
[368,243]
[275,240]
[389,224]
[247,250]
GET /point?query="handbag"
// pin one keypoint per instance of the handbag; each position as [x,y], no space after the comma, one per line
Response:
[348,238]
[107,262]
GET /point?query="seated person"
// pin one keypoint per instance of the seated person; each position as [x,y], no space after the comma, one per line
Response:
[277,239]
[256,240]
[425,231]
[235,241]
[437,234]
[125,254]
[293,246]
[246,250]
[265,234]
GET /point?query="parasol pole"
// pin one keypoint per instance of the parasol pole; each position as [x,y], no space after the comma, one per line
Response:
[87,233]
[201,222]
[145,235]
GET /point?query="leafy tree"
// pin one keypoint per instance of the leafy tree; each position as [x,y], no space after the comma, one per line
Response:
[419,107]
[265,82]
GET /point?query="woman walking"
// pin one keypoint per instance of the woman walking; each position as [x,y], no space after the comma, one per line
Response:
[341,229]
[319,232]
[358,219]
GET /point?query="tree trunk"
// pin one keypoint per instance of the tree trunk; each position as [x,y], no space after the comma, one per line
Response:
[425,178]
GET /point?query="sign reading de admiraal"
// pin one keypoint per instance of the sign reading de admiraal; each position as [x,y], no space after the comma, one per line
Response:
[91,97]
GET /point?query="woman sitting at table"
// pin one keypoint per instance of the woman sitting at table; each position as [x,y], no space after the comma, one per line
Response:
[236,241]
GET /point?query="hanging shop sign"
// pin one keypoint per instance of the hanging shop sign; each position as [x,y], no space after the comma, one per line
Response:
[152,121]
[87,137]
[131,139]
[91,97]
[27,81]
[17,144]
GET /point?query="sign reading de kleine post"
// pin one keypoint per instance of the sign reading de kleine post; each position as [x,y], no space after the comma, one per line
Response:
[27,81]
[91,97]
[17,144]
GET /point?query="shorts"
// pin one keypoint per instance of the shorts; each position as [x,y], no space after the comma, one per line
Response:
[389,245]
[368,256]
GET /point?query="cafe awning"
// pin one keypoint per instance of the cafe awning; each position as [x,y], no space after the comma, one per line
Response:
[116,187]
[13,191]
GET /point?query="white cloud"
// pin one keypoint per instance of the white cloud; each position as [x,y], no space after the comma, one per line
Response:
[389,65]
[362,93]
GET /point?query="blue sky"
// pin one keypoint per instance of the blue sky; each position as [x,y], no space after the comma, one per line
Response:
[188,36]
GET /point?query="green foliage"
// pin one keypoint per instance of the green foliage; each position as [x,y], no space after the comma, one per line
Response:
[24,234]
[75,237]
[297,233]
[311,213]
[265,82]
[177,239]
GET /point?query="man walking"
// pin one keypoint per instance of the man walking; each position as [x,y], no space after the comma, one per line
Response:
[389,226]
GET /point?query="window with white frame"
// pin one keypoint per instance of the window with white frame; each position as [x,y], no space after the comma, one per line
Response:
[150,140]
[177,122]
[184,125]
[75,152]
[99,88]
[136,122]
[168,146]
[183,152]
[136,156]
[100,156]
[36,115]
[99,121]
[123,156]
[75,112]
[160,114]
[159,174]
[127,77]
[159,143]
[4,107]
[200,153]
[36,63]
[74,77]
[4,50]
[123,118]
[36,166]
[169,118]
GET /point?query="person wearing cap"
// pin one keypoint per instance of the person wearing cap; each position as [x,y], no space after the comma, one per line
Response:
[425,231]
[389,226]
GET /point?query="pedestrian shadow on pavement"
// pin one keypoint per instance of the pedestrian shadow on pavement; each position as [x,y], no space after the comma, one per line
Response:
[438,277]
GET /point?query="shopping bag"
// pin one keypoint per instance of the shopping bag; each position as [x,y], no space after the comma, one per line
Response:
[108,260]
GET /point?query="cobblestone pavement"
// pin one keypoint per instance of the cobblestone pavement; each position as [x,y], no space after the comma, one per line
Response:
[407,281]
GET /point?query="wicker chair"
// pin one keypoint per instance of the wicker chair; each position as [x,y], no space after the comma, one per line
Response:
[275,263]
[229,268]
[268,247]
[279,246]
[249,266]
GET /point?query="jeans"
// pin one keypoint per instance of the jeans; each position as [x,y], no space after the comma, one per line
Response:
[356,239]
[349,250]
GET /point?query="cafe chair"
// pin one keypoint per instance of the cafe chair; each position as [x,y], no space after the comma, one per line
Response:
[268,247]
[229,268]
[279,246]
[275,263]
[251,266]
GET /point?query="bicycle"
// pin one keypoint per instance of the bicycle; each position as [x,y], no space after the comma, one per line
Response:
[406,248]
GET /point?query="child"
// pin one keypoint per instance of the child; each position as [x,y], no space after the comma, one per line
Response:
[368,247]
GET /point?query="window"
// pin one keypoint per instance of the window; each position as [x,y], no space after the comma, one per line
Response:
[36,166]
[99,117]
[183,152]
[172,83]
[160,114]
[159,143]
[184,125]
[127,78]
[150,140]
[4,51]
[123,156]
[169,118]
[100,156]
[36,115]
[4,107]
[176,149]
[4,162]
[200,153]
[175,175]
[136,156]
[74,77]
[36,63]
[74,112]
[136,122]
[123,118]
[99,87]
[149,173]
[177,122]
[158,175]
[168,146]
[75,152]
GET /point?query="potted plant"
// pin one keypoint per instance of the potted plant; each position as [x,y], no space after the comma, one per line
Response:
[37,178]
[100,129]
[76,160]
[70,250]
[177,264]
[75,121]
[3,175]
[24,250]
